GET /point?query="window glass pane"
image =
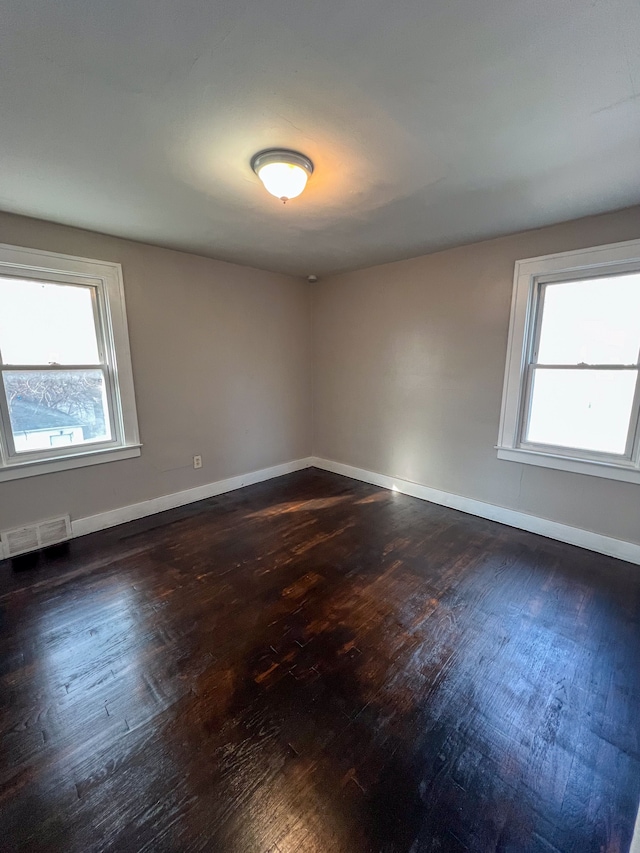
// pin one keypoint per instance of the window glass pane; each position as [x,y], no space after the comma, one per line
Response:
[585,409]
[56,408]
[43,323]
[596,321]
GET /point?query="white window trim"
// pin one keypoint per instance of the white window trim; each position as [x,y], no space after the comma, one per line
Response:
[583,263]
[106,277]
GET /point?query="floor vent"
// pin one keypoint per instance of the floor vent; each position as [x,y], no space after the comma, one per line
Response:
[21,540]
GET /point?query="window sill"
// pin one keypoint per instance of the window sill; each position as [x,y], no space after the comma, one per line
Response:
[608,470]
[18,470]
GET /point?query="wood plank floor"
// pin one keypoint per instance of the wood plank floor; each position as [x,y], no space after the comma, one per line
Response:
[315,665]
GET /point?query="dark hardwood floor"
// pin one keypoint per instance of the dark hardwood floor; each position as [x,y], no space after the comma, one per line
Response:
[314,665]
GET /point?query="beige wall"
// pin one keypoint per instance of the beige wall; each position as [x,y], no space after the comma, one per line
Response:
[221,361]
[407,376]
[408,371]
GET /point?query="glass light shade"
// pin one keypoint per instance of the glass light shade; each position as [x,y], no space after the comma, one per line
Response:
[283,173]
[283,180]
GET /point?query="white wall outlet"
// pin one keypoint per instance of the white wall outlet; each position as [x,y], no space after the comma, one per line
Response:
[197,461]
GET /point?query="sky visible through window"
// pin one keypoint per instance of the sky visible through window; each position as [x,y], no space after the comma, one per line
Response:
[587,323]
[43,323]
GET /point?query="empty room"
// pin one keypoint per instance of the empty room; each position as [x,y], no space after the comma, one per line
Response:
[319,426]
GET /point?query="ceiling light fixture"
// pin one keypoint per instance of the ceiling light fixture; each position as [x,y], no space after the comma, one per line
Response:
[283,173]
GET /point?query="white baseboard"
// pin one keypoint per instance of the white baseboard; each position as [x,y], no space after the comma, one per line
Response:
[92,523]
[534,524]
[552,529]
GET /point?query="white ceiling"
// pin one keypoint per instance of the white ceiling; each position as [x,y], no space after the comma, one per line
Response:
[430,122]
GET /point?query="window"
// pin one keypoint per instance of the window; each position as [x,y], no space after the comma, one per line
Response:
[66,386]
[572,382]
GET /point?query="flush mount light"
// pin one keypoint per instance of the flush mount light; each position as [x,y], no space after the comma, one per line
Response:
[283,173]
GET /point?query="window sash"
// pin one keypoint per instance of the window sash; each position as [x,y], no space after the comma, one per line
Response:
[534,332]
[540,290]
[579,452]
[11,455]
[106,365]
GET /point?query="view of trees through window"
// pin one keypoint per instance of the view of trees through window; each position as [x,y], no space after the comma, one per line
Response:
[56,407]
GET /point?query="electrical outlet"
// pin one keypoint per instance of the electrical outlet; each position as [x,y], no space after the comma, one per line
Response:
[197,461]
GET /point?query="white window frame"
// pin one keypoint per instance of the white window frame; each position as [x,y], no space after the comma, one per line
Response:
[530,276]
[105,279]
